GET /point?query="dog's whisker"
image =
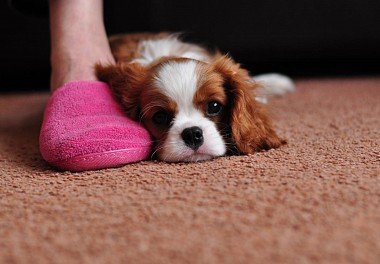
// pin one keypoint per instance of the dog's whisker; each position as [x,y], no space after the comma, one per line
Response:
[157,149]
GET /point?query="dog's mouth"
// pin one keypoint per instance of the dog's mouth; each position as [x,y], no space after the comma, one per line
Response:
[195,157]
[177,151]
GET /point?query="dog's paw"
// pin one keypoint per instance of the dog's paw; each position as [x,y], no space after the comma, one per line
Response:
[273,84]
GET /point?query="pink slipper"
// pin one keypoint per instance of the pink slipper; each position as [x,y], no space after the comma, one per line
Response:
[84,128]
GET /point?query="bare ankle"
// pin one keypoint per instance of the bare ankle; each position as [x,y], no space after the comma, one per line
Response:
[72,66]
[78,40]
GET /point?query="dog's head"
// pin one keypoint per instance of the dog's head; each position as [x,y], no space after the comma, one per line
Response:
[194,110]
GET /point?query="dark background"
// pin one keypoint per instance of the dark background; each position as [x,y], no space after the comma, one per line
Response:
[300,38]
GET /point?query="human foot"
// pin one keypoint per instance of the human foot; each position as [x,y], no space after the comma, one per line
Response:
[84,128]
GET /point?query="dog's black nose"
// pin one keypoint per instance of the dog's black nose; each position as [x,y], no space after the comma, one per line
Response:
[193,137]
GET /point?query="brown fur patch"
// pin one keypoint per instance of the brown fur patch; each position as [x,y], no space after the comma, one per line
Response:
[251,129]
[210,88]
[126,81]
[152,101]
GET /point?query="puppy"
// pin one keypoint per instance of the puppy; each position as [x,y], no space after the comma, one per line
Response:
[196,104]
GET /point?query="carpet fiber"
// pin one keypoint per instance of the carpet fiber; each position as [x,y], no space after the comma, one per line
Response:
[315,200]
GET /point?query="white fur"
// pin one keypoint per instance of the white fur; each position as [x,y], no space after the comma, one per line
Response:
[152,50]
[273,84]
[176,150]
[178,81]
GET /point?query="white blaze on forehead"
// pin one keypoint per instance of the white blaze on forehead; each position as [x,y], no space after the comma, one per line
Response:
[178,81]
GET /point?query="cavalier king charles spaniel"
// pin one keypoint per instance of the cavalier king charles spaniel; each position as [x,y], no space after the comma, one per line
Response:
[196,104]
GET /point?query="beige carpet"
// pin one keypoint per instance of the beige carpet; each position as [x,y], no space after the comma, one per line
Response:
[315,200]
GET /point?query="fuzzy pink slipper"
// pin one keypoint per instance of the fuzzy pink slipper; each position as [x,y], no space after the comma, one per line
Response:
[84,128]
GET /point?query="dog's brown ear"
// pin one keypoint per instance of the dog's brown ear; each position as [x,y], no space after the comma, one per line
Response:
[251,129]
[126,81]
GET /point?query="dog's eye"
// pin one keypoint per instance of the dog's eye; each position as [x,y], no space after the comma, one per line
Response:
[161,118]
[213,108]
